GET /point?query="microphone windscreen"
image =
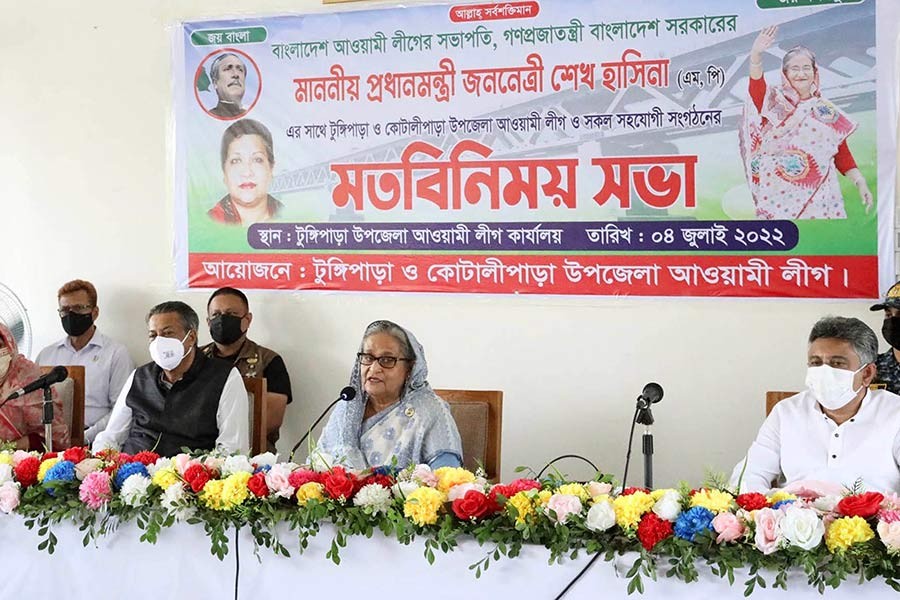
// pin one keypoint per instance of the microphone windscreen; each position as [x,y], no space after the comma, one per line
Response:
[348,393]
[652,393]
[58,374]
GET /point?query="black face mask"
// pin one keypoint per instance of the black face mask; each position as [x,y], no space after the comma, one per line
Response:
[225,329]
[76,324]
[890,329]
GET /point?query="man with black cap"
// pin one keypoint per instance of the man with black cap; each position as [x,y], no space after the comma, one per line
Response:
[888,363]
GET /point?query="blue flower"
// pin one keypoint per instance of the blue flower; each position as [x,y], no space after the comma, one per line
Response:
[390,470]
[263,468]
[127,470]
[692,522]
[781,503]
[64,470]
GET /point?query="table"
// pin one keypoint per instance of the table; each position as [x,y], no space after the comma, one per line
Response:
[181,566]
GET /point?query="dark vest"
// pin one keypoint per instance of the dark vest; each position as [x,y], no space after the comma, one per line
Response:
[185,416]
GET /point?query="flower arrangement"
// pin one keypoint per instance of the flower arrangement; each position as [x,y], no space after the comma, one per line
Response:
[829,538]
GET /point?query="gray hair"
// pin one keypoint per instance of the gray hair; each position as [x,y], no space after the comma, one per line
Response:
[217,61]
[247,127]
[848,329]
[798,51]
[189,318]
[395,331]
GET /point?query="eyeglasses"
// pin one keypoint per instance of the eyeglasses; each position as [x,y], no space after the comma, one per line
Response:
[796,70]
[78,309]
[386,362]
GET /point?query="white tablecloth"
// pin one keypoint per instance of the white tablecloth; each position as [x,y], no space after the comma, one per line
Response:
[180,566]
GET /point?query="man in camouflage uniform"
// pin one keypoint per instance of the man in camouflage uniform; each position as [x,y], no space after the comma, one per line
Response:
[888,363]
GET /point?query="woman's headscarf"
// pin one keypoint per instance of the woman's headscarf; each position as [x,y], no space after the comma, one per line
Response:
[21,370]
[340,438]
[782,100]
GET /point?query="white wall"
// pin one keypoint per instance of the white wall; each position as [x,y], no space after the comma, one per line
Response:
[86,192]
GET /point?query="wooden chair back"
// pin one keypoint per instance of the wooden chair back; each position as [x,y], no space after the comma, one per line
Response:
[479,418]
[71,393]
[256,397]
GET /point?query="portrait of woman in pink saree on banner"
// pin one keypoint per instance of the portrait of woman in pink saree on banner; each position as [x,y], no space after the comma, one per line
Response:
[794,141]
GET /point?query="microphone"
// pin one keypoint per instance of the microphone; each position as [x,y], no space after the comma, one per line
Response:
[55,376]
[651,394]
[347,394]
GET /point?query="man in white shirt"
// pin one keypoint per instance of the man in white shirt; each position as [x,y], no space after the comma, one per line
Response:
[837,430]
[181,399]
[106,362]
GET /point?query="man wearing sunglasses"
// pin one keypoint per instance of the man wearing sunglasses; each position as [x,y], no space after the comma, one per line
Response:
[106,362]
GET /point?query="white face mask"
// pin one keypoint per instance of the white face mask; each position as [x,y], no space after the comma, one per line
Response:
[832,388]
[168,352]
[5,361]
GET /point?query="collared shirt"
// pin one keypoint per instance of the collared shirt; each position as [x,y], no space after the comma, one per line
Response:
[106,367]
[798,442]
[888,371]
[232,418]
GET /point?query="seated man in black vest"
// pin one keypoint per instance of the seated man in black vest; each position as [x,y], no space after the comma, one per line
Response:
[229,318]
[183,399]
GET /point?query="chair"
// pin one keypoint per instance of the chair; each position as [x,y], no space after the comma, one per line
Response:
[71,393]
[773,398]
[479,418]
[256,397]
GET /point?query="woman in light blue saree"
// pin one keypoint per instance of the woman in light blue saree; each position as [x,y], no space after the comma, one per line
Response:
[396,414]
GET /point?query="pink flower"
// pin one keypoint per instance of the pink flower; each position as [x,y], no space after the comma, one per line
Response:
[9,496]
[889,532]
[768,529]
[597,488]
[278,480]
[87,466]
[728,526]
[19,455]
[563,505]
[424,475]
[182,462]
[891,502]
[459,491]
[889,516]
[95,491]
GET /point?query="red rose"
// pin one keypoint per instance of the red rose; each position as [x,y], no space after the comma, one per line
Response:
[506,491]
[474,505]
[197,477]
[145,457]
[752,501]
[257,485]
[75,455]
[48,455]
[632,490]
[652,530]
[384,481]
[339,483]
[523,485]
[27,470]
[862,505]
[301,476]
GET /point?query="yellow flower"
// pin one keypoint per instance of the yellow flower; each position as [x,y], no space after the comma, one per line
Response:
[211,495]
[657,494]
[451,476]
[165,477]
[846,531]
[715,500]
[45,466]
[574,489]
[234,490]
[523,505]
[6,458]
[423,504]
[629,509]
[543,497]
[310,491]
[779,496]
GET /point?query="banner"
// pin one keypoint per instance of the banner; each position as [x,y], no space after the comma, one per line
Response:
[658,148]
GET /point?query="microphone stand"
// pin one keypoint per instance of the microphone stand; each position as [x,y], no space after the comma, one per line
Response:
[48,418]
[645,418]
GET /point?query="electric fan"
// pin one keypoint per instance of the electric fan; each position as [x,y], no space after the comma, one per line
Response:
[15,317]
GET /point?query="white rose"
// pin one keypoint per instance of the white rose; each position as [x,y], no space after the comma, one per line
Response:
[600,517]
[402,489]
[802,527]
[236,464]
[160,464]
[6,473]
[668,507]
[266,458]
[826,504]
[320,461]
